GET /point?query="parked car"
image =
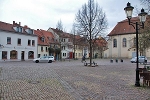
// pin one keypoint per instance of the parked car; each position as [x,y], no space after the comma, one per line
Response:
[48,59]
[142,59]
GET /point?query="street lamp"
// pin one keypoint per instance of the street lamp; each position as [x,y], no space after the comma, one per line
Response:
[137,26]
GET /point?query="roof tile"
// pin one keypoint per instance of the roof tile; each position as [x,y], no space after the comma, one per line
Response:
[123,27]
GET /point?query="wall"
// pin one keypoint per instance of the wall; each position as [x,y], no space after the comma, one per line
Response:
[44,50]
[120,51]
[14,46]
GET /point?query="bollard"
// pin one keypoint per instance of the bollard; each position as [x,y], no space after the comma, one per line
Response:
[121,60]
[111,60]
[116,60]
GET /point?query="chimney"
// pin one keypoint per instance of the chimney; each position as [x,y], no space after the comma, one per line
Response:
[13,22]
[19,23]
[25,26]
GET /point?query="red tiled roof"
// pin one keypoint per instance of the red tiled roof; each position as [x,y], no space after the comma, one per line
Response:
[39,34]
[101,42]
[57,30]
[123,27]
[9,27]
[48,37]
[61,33]
[6,26]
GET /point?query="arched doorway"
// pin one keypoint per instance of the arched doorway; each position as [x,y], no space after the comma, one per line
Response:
[30,55]
[22,55]
[13,54]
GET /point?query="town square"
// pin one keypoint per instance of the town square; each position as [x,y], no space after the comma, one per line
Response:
[74,50]
[70,80]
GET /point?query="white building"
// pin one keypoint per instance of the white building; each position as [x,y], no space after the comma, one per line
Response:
[17,42]
[66,42]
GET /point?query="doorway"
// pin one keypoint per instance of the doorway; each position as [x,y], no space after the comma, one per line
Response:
[22,55]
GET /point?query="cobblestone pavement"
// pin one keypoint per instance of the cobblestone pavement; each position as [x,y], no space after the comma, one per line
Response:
[70,80]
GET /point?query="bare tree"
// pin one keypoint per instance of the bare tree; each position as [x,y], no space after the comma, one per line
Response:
[59,25]
[144,37]
[73,30]
[91,21]
[146,4]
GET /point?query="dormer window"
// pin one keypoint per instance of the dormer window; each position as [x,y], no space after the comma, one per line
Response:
[29,31]
[18,29]
[42,39]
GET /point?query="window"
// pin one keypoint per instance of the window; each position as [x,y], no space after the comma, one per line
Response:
[115,43]
[63,40]
[80,54]
[8,40]
[29,42]
[64,54]
[19,41]
[4,54]
[13,54]
[46,49]
[63,47]
[33,42]
[39,55]
[124,42]
[42,39]
[30,31]
[42,49]
[18,29]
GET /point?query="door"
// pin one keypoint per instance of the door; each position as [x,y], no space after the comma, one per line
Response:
[70,55]
[22,55]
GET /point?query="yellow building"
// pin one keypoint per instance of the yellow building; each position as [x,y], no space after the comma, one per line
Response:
[122,41]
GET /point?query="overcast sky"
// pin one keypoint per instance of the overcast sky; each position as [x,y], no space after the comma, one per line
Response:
[42,14]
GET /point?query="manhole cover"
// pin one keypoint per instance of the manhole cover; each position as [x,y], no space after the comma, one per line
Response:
[34,82]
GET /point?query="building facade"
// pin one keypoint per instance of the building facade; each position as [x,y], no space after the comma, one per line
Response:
[17,42]
[122,41]
[65,41]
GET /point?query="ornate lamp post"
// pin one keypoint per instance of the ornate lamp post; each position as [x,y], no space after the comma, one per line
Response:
[137,26]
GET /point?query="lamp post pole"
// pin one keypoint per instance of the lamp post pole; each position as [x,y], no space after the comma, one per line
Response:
[136,26]
[137,82]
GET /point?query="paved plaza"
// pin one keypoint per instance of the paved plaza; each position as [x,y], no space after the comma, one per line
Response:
[70,80]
